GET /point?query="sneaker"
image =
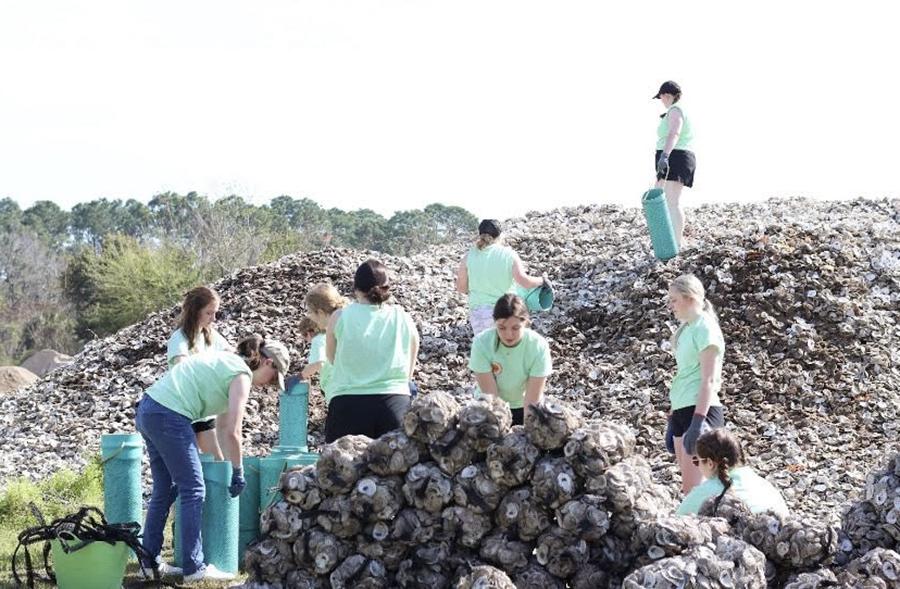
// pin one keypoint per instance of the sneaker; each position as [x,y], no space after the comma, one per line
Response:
[208,573]
[165,570]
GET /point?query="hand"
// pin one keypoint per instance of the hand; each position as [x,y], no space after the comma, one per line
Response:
[670,436]
[237,482]
[546,282]
[662,164]
[697,429]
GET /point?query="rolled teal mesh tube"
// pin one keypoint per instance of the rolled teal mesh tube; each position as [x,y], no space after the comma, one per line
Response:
[293,413]
[248,526]
[656,212]
[220,517]
[121,455]
[270,470]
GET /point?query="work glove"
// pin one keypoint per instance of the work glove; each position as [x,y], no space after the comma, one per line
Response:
[237,482]
[662,164]
[697,429]
[670,436]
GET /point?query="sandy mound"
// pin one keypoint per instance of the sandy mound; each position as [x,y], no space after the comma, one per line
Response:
[15,377]
[46,361]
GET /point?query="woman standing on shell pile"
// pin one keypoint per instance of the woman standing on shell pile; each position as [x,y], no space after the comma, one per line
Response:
[488,271]
[510,360]
[196,334]
[372,345]
[214,383]
[675,162]
[698,346]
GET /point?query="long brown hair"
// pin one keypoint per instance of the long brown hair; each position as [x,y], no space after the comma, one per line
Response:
[724,449]
[195,300]
[249,349]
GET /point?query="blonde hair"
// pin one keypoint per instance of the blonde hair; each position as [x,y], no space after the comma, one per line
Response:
[485,240]
[324,297]
[689,286]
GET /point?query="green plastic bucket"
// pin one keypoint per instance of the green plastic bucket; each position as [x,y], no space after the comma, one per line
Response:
[538,299]
[97,565]
[121,455]
[659,224]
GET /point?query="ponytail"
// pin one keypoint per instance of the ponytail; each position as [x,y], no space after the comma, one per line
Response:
[249,349]
[723,475]
[724,449]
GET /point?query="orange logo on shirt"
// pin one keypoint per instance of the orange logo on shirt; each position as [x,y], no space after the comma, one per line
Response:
[496,368]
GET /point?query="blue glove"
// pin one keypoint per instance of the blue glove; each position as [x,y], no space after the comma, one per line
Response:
[670,436]
[697,429]
[237,482]
[662,164]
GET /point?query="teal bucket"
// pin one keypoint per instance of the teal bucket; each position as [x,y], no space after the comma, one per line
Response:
[248,518]
[293,414]
[121,456]
[220,517]
[538,299]
[96,565]
[270,470]
[656,212]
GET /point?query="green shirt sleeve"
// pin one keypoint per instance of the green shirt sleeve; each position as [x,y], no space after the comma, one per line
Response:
[177,346]
[219,343]
[317,349]
[694,500]
[480,356]
[707,333]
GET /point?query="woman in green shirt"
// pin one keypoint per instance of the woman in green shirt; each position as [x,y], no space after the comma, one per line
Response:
[698,346]
[720,459]
[372,346]
[196,334]
[674,160]
[510,360]
[214,383]
[488,271]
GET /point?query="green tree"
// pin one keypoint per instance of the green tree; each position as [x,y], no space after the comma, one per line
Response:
[49,221]
[10,214]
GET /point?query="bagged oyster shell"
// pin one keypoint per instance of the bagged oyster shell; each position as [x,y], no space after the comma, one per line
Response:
[550,422]
[878,564]
[324,551]
[613,554]
[427,567]
[300,487]
[388,552]
[415,526]
[585,517]
[511,461]
[341,463]
[624,483]
[359,572]
[863,530]
[522,515]
[813,580]
[731,508]
[302,579]
[427,487]
[474,489]
[430,416]
[284,521]
[377,498]
[654,501]
[589,576]
[505,553]
[554,482]
[394,453]
[534,576]
[269,560]
[597,445]
[791,543]
[485,421]
[561,552]
[335,516]
[485,577]
[453,451]
[671,535]
[465,526]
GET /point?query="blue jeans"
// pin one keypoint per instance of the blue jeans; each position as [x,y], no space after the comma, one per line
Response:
[176,472]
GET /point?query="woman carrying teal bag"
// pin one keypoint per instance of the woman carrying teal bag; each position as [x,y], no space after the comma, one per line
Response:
[674,159]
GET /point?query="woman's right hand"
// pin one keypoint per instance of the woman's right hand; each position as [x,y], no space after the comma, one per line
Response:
[670,435]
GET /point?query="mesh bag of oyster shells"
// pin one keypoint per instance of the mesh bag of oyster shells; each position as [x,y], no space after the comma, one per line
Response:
[511,461]
[341,463]
[485,421]
[430,416]
[550,422]
[485,577]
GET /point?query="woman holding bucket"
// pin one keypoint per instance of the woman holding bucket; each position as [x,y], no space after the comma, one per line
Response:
[372,345]
[215,383]
[196,334]
[510,360]
[698,346]
[674,161]
[488,271]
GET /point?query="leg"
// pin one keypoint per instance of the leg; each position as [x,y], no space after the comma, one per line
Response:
[673,198]
[161,498]
[690,474]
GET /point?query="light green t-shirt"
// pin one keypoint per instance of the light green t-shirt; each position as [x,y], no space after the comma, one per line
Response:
[694,338]
[511,367]
[685,138]
[317,354]
[490,272]
[758,493]
[198,386]
[373,350]
[179,346]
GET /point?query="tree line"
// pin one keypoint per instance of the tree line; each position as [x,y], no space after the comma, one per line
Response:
[70,276]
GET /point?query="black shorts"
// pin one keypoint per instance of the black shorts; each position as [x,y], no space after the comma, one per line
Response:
[681,166]
[367,415]
[518,416]
[681,418]
[203,426]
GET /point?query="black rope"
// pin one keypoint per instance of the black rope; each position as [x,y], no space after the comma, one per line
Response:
[74,532]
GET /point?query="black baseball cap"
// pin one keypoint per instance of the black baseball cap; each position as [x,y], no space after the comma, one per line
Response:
[668,87]
[490,227]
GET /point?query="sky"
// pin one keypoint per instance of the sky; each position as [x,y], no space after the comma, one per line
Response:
[498,106]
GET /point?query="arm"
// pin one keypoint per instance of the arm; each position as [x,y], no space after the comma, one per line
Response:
[675,123]
[311,369]
[228,425]
[522,278]
[486,383]
[330,340]
[413,352]
[534,389]
[707,378]
[462,277]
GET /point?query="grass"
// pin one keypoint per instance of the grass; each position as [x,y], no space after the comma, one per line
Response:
[60,494]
